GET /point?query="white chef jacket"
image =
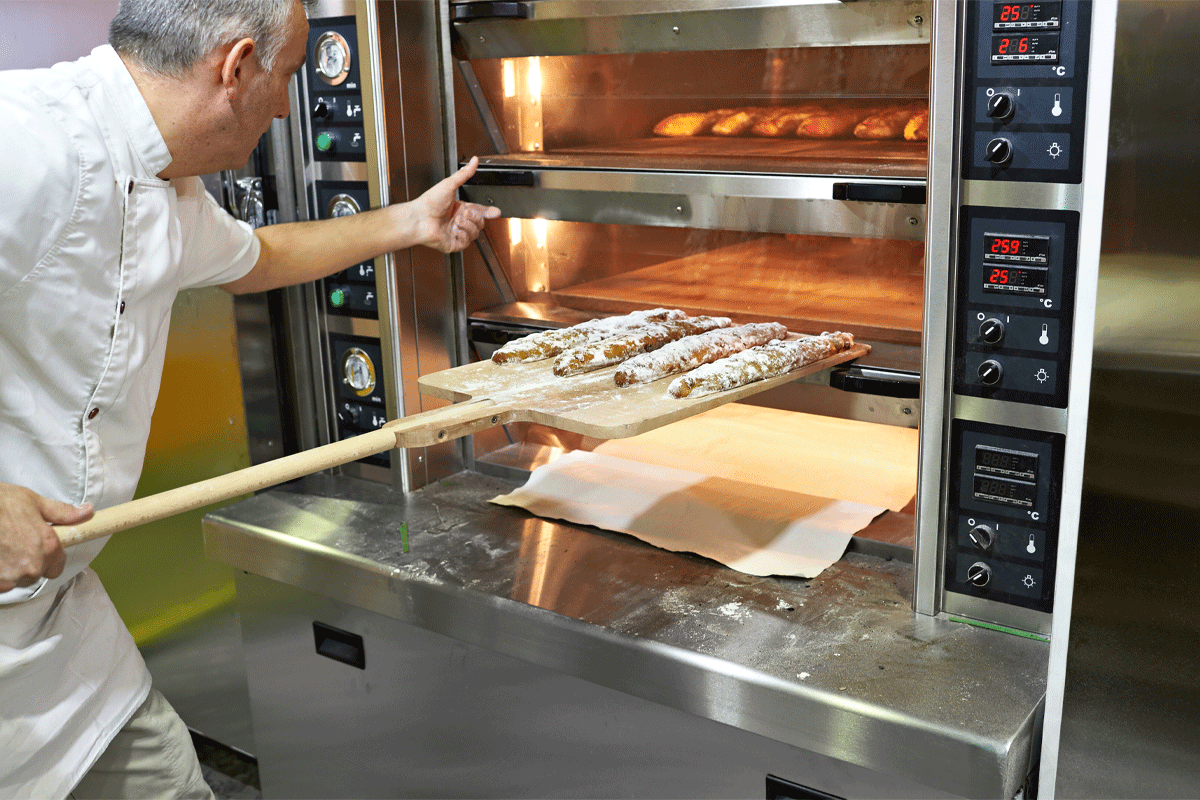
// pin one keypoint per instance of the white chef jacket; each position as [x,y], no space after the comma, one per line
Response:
[93,250]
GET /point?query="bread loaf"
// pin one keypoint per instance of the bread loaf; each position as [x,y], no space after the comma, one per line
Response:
[766,361]
[544,344]
[620,348]
[692,351]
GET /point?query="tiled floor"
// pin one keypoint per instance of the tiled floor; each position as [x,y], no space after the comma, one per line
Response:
[231,774]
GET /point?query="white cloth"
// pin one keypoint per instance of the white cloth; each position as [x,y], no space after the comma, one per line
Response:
[93,250]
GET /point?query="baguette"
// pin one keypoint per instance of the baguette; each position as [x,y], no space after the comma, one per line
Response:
[917,129]
[888,124]
[785,121]
[692,351]
[739,121]
[621,348]
[690,123]
[833,124]
[544,344]
[757,363]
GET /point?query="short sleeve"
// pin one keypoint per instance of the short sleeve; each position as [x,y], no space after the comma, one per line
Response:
[217,248]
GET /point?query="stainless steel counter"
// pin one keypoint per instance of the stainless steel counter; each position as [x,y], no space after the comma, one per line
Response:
[839,665]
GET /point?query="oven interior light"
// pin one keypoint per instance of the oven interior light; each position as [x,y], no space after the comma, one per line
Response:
[510,78]
[535,79]
[539,232]
[514,231]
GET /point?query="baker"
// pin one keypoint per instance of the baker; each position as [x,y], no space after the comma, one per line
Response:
[103,222]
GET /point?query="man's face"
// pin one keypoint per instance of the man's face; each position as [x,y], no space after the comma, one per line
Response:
[267,92]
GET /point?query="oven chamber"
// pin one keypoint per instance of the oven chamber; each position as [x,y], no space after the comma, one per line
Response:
[601,216]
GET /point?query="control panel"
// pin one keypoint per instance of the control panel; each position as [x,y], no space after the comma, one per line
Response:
[360,405]
[351,292]
[1022,117]
[1027,70]
[335,100]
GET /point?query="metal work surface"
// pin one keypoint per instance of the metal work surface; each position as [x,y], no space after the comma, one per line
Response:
[838,665]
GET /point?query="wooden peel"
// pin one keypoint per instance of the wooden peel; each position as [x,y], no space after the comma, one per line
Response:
[486,395]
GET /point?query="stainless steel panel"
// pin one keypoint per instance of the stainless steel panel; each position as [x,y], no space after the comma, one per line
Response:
[768,204]
[940,248]
[571,27]
[1128,713]
[431,716]
[838,666]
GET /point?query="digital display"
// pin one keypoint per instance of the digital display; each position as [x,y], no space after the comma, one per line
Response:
[1005,491]
[1026,16]
[1011,463]
[1040,48]
[1016,249]
[1015,280]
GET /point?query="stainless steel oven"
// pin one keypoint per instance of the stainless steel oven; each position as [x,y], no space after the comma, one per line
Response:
[631,149]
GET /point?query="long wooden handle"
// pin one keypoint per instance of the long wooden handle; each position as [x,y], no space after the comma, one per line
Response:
[419,430]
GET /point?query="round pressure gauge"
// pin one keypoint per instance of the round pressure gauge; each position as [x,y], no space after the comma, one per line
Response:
[332,58]
[358,371]
[342,205]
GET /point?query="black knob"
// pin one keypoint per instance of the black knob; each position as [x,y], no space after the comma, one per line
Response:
[979,574]
[990,372]
[999,151]
[321,110]
[350,414]
[1001,106]
[991,331]
[982,536]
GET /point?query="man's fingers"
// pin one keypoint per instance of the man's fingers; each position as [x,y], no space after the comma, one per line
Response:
[58,513]
[465,172]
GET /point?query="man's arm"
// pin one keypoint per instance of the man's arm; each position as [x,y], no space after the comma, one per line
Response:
[29,549]
[305,251]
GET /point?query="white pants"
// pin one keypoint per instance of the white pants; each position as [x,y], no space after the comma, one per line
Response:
[152,756]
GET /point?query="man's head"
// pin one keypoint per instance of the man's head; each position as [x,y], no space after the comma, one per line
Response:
[169,37]
[214,72]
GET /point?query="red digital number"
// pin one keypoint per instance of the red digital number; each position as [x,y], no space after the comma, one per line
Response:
[1023,47]
[1006,13]
[996,245]
[998,276]
[1003,48]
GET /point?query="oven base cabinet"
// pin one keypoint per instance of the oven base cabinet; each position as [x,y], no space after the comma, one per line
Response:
[430,716]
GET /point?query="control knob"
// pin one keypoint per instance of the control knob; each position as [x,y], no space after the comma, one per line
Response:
[321,110]
[979,574]
[350,414]
[991,331]
[1001,107]
[999,151]
[990,372]
[982,536]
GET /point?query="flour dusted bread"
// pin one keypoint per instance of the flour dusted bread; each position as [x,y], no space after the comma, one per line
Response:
[690,123]
[692,351]
[887,124]
[621,348]
[767,361]
[545,344]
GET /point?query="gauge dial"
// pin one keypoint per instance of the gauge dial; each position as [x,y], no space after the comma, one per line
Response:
[332,58]
[358,371]
[342,205]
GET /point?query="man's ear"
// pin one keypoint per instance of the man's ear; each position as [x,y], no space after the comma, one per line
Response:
[235,64]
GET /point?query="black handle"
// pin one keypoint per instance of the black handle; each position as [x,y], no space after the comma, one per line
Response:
[877,380]
[340,645]
[880,192]
[501,177]
[469,12]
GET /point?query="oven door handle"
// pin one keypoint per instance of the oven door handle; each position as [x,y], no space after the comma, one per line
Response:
[913,193]
[877,380]
[502,177]
[470,12]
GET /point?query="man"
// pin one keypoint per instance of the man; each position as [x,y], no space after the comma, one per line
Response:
[103,223]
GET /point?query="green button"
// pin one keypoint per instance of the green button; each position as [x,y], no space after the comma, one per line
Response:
[337,298]
[324,142]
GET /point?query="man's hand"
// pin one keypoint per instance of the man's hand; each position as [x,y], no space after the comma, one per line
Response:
[446,223]
[29,548]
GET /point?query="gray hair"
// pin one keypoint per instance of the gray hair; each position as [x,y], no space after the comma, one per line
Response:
[171,36]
